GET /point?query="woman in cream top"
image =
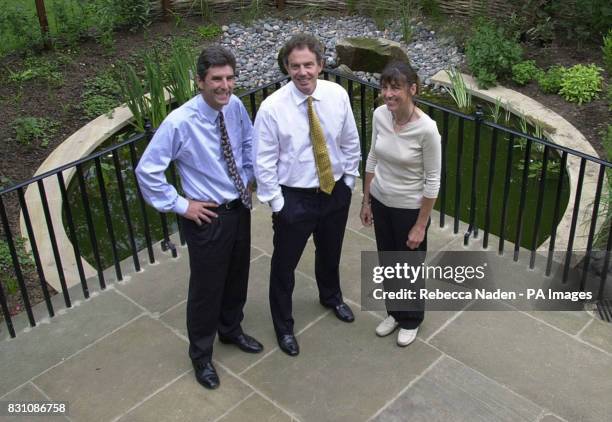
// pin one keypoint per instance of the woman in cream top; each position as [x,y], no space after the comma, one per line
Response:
[401,185]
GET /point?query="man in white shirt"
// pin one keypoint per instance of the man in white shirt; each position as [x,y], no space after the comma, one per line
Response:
[306,160]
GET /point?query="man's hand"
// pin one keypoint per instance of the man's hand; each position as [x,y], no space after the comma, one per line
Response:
[199,213]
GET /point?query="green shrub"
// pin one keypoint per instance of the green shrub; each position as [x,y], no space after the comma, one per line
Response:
[208,32]
[37,68]
[550,81]
[101,94]
[33,130]
[607,51]
[19,28]
[580,83]
[525,72]
[490,55]
[7,271]
[583,20]
[133,14]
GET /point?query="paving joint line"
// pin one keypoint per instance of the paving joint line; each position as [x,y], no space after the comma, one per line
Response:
[487,377]
[448,322]
[228,411]
[125,324]
[149,396]
[261,393]
[583,329]
[403,390]
[45,395]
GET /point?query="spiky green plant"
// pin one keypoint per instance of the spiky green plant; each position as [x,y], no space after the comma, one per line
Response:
[181,72]
[154,83]
[458,90]
[133,94]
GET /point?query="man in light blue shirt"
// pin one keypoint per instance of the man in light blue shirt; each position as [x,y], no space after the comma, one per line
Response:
[209,138]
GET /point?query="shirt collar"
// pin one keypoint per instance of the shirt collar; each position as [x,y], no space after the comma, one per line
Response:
[207,111]
[299,97]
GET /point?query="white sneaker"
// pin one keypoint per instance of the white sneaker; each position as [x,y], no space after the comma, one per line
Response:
[405,337]
[386,327]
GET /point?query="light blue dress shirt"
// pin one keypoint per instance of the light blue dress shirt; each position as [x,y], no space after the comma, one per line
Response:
[190,137]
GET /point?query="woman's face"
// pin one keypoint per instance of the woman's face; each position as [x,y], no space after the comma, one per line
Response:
[397,95]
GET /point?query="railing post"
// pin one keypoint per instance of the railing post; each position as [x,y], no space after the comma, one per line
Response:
[479,115]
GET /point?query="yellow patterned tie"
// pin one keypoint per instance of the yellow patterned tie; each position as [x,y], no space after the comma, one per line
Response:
[319,147]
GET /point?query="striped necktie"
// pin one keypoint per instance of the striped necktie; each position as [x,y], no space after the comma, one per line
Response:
[319,148]
[231,164]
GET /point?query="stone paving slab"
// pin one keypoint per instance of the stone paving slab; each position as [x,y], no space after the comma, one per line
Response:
[257,321]
[49,343]
[542,364]
[28,392]
[599,333]
[450,391]
[343,372]
[186,400]
[256,408]
[113,375]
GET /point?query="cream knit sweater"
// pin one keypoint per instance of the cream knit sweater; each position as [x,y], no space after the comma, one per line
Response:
[406,165]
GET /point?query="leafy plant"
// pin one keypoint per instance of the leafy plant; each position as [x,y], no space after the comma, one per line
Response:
[490,54]
[525,72]
[458,90]
[101,94]
[7,270]
[208,32]
[70,20]
[133,14]
[550,81]
[583,20]
[31,130]
[19,28]
[580,83]
[37,67]
[607,51]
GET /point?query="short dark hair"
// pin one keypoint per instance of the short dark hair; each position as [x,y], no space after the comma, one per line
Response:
[215,55]
[300,41]
[398,72]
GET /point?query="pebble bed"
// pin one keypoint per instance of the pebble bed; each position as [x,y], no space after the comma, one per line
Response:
[256,46]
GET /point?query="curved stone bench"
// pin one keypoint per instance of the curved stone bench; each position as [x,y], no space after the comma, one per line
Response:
[564,134]
[80,144]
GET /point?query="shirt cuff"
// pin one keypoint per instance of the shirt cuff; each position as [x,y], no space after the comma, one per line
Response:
[180,206]
[277,203]
[349,180]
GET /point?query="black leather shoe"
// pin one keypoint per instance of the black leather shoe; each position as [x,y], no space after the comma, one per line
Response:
[206,374]
[245,342]
[344,313]
[288,344]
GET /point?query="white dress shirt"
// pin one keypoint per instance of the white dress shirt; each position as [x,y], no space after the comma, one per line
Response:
[282,147]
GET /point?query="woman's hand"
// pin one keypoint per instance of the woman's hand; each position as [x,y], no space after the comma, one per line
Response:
[416,236]
[366,214]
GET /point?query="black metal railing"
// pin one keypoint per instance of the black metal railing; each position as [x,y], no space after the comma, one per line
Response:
[472,187]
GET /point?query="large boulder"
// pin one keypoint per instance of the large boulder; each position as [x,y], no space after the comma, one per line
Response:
[369,54]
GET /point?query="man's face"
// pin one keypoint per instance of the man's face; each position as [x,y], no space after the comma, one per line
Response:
[217,86]
[304,69]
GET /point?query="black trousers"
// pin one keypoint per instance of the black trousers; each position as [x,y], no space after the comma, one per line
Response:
[391,228]
[307,212]
[219,256]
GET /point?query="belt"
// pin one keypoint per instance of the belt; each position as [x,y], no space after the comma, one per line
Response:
[303,190]
[230,205]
